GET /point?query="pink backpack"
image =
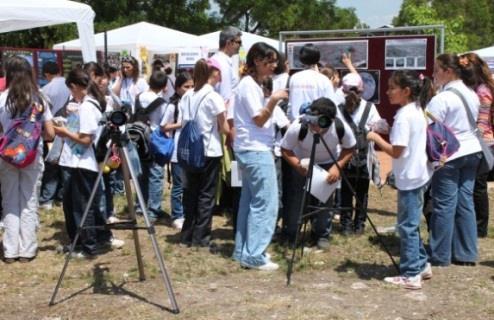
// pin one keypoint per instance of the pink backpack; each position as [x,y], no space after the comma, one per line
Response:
[19,144]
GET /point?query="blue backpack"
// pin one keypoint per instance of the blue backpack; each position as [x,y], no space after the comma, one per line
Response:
[190,149]
[161,147]
[441,141]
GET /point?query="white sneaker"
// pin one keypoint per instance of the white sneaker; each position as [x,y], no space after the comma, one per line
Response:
[426,274]
[116,243]
[268,266]
[113,219]
[178,223]
[412,283]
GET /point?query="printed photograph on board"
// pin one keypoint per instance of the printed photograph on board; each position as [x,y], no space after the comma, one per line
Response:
[405,54]
[331,52]
[371,84]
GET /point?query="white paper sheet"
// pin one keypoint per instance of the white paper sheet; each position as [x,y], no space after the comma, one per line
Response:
[320,188]
[236,178]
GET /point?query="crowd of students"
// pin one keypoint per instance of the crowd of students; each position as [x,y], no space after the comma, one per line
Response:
[259,117]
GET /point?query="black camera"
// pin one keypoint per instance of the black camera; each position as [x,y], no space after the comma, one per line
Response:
[323,121]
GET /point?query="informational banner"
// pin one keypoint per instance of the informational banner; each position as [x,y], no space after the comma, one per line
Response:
[188,58]
[71,59]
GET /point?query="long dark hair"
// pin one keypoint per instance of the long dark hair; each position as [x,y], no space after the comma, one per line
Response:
[475,72]
[259,50]
[421,87]
[23,90]
[352,100]
[181,78]
[450,61]
[81,78]
[202,72]
[135,67]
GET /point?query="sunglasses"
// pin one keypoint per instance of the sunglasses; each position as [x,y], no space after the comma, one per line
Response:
[127,59]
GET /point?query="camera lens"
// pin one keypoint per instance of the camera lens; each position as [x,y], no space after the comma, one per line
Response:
[324,121]
[118,118]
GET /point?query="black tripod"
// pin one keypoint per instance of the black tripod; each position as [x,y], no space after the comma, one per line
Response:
[121,141]
[303,216]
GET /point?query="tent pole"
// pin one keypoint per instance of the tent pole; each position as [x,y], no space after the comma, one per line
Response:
[106,48]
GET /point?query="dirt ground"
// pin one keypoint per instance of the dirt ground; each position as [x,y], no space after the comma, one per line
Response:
[342,283]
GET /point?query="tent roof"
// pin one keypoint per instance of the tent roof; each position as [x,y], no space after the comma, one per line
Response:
[485,52]
[27,14]
[248,39]
[151,36]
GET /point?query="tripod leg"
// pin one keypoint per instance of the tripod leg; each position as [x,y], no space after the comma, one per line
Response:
[80,227]
[152,235]
[132,215]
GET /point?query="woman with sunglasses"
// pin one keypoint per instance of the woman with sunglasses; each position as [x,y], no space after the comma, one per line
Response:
[128,85]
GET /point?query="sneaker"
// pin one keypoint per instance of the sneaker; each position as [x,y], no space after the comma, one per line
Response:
[323,244]
[268,266]
[426,274]
[116,243]
[411,283]
[113,219]
[178,223]
[46,206]
[81,255]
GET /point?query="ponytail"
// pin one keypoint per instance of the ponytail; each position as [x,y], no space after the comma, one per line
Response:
[421,87]
[352,101]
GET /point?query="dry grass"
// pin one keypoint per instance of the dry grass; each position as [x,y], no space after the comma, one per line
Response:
[343,283]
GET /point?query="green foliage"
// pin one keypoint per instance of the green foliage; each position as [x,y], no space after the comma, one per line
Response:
[468,23]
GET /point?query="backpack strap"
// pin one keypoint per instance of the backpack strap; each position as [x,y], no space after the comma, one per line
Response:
[365,116]
[139,109]
[304,129]
[467,109]
[199,104]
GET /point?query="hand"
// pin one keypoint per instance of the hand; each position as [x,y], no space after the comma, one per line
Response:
[302,170]
[346,58]
[280,94]
[333,174]
[371,136]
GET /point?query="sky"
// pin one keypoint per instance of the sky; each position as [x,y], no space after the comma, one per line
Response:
[375,13]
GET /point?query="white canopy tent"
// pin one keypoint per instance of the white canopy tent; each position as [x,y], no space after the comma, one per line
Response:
[131,38]
[27,14]
[248,39]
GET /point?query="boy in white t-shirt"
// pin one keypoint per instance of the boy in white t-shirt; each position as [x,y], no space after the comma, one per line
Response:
[412,173]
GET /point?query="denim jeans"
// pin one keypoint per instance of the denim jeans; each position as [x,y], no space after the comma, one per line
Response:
[151,184]
[258,207]
[453,229]
[413,257]
[176,192]
[51,185]
[106,201]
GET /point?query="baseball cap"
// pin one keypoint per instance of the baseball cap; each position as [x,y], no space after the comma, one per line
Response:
[352,80]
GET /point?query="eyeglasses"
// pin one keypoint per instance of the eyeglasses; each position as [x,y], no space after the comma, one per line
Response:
[239,42]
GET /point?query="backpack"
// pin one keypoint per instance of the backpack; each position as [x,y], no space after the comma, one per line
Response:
[139,130]
[19,144]
[161,147]
[359,158]
[190,148]
[441,141]
[340,130]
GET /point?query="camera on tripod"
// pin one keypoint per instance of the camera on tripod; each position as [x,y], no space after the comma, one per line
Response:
[118,117]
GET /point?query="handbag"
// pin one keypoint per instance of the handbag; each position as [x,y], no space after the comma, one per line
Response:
[441,141]
[487,161]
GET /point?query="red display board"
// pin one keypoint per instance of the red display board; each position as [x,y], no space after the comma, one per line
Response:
[375,58]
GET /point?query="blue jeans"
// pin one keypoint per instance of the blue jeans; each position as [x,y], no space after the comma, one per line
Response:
[258,207]
[51,185]
[453,228]
[151,183]
[413,257]
[176,192]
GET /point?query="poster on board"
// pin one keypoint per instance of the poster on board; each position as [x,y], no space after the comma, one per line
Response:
[71,59]
[405,54]
[28,55]
[371,79]
[331,52]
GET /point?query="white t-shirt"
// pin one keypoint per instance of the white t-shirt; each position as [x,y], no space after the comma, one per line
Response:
[359,112]
[339,96]
[409,130]
[280,121]
[448,108]
[249,100]
[129,90]
[83,118]
[146,98]
[56,90]
[307,86]
[211,105]
[279,81]
[169,118]
[302,148]
[229,76]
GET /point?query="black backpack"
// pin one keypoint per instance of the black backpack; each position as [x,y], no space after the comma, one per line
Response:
[359,158]
[139,129]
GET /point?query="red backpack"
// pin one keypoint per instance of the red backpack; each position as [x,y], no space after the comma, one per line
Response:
[19,144]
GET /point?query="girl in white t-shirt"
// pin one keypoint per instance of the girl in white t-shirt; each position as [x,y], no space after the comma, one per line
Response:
[20,187]
[360,115]
[79,165]
[253,147]
[207,107]
[411,170]
[171,126]
[128,84]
